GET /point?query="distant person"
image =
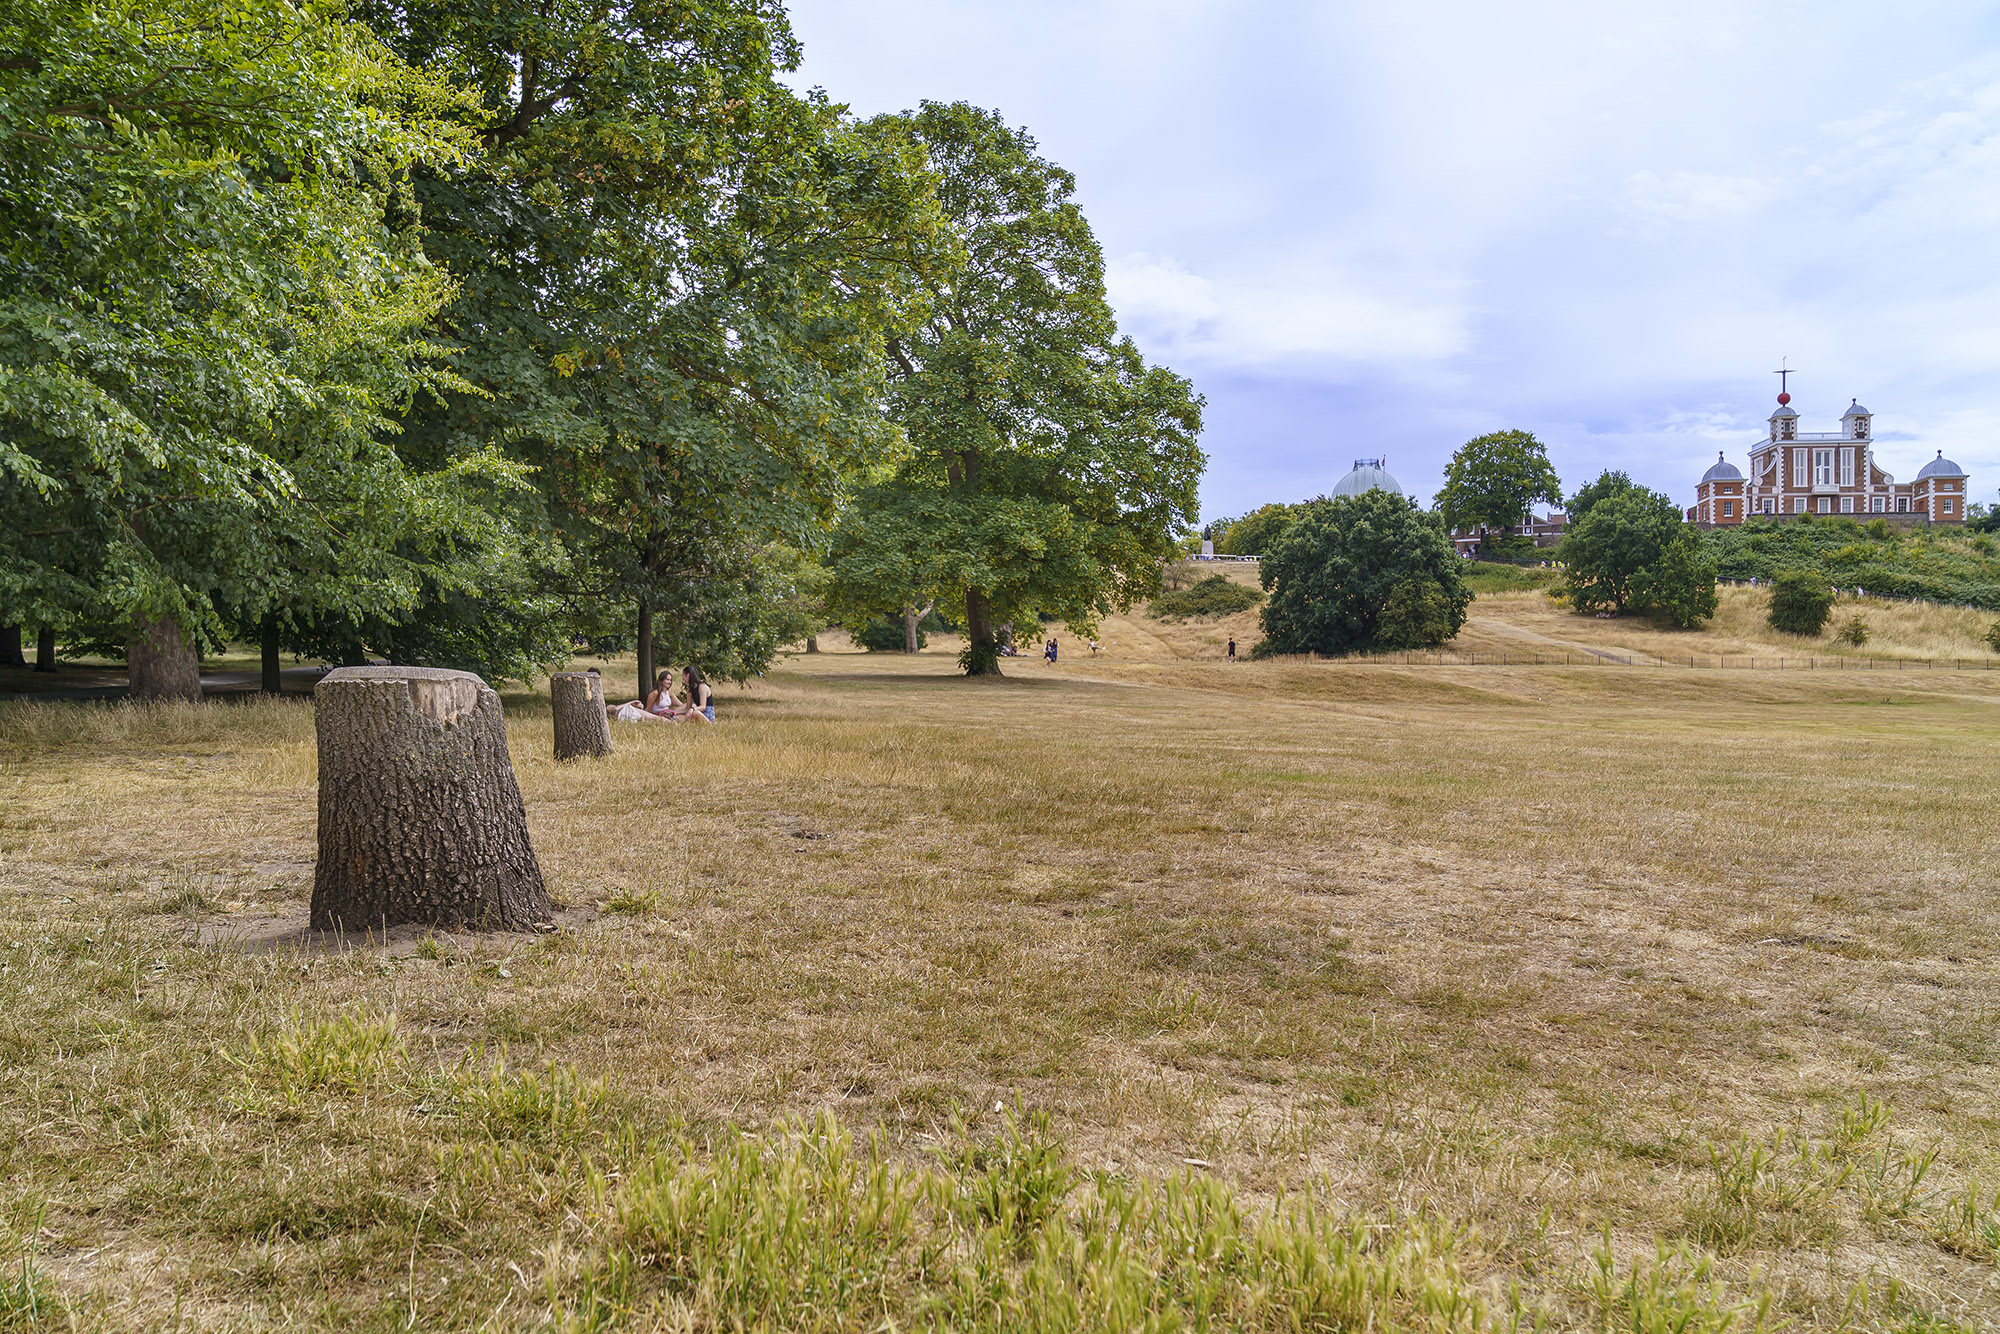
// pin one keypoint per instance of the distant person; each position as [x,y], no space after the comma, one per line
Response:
[1050,652]
[1232,650]
[657,707]
[701,700]
[1093,648]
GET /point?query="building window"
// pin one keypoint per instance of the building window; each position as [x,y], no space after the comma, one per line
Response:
[1847,467]
[1860,428]
[1728,509]
[1947,505]
[1798,504]
[1770,506]
[1799,468]
[1902,504]
[1876,504]
[1826,504]
[1847,504]
[1822,467]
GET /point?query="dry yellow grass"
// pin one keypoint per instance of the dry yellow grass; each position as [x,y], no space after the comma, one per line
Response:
[1581,960]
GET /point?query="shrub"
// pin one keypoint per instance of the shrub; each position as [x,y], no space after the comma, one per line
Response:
[1362,572]
[1993,637]
[1878,529]
[1800,603]
[884,634]
[1217,595]
[1855,632]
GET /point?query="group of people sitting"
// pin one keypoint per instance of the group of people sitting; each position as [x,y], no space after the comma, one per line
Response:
[662,706]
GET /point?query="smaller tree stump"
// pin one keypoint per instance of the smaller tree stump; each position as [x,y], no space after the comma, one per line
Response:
[420,819]
[582,729]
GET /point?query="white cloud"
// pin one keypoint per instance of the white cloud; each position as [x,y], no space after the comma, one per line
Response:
[1305,319]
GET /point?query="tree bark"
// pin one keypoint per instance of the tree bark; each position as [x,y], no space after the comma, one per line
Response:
[274,680]
[10,647]
[911,617]
[581,726]
[45,649]
[645,650]
[420,819]
[812,643]
[979,629]
[160,663]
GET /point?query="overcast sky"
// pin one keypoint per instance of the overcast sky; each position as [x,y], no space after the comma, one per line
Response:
[1383,228]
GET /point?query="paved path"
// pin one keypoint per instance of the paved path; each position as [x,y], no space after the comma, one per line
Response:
[294,680]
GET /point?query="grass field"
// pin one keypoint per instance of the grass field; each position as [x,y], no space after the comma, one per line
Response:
[1147,992]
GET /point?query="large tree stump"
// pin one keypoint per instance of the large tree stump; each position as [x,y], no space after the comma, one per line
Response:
[581,725]
[160,661]
[420,819]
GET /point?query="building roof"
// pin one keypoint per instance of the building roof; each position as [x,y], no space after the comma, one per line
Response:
[1855,410]
[1940,467]
[1722,470]
[1783,411]
[1368,475]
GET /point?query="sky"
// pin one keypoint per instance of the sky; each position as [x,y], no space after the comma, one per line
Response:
[1382,228]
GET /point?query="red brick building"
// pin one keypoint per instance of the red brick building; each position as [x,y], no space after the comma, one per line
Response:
[1795,472]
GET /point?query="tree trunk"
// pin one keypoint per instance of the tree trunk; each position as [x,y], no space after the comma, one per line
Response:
[45,649]
[645,650]
[979,629]
[160,663]
[274,680]
[812,643]
[581,726]
[420,819]
[10,647]
[912,616]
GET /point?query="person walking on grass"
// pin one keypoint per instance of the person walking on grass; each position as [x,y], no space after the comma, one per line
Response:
[1232,650]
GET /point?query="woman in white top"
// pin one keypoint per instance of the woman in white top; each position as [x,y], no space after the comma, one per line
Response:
[658,707]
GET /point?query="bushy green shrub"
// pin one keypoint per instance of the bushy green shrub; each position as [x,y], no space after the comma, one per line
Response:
[1855,632]
[1993,637]
[884,634]
[1217,595]
[1800,603]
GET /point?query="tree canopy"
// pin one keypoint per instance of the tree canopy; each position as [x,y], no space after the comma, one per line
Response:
[1634,552]
[1493,479]
[1256,532]
[1359,573]
[1048,469]
[212,306]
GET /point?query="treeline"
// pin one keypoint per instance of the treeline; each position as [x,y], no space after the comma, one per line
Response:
[464,334]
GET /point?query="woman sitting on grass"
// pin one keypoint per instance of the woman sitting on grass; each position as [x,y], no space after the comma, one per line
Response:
[658,707]
[701,700]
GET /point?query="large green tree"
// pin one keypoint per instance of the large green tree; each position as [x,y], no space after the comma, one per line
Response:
[211,301]
[676,279]
[1049,470]
[1493,479]
[1362,572]
[1633,551]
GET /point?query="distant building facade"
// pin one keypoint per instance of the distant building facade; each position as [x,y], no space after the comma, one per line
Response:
[1794,472]
[1545,531]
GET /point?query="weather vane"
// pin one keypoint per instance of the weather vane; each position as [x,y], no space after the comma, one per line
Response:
[1783,373]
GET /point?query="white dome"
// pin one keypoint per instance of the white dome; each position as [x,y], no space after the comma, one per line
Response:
[1368,475]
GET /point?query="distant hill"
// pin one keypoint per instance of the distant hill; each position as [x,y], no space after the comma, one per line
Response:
[1936,565]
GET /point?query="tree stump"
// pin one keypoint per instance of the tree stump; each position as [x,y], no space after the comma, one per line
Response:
[420,819]
[581,725]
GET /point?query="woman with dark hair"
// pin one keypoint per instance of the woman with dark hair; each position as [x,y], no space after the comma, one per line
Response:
[700,699]
[658,706]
